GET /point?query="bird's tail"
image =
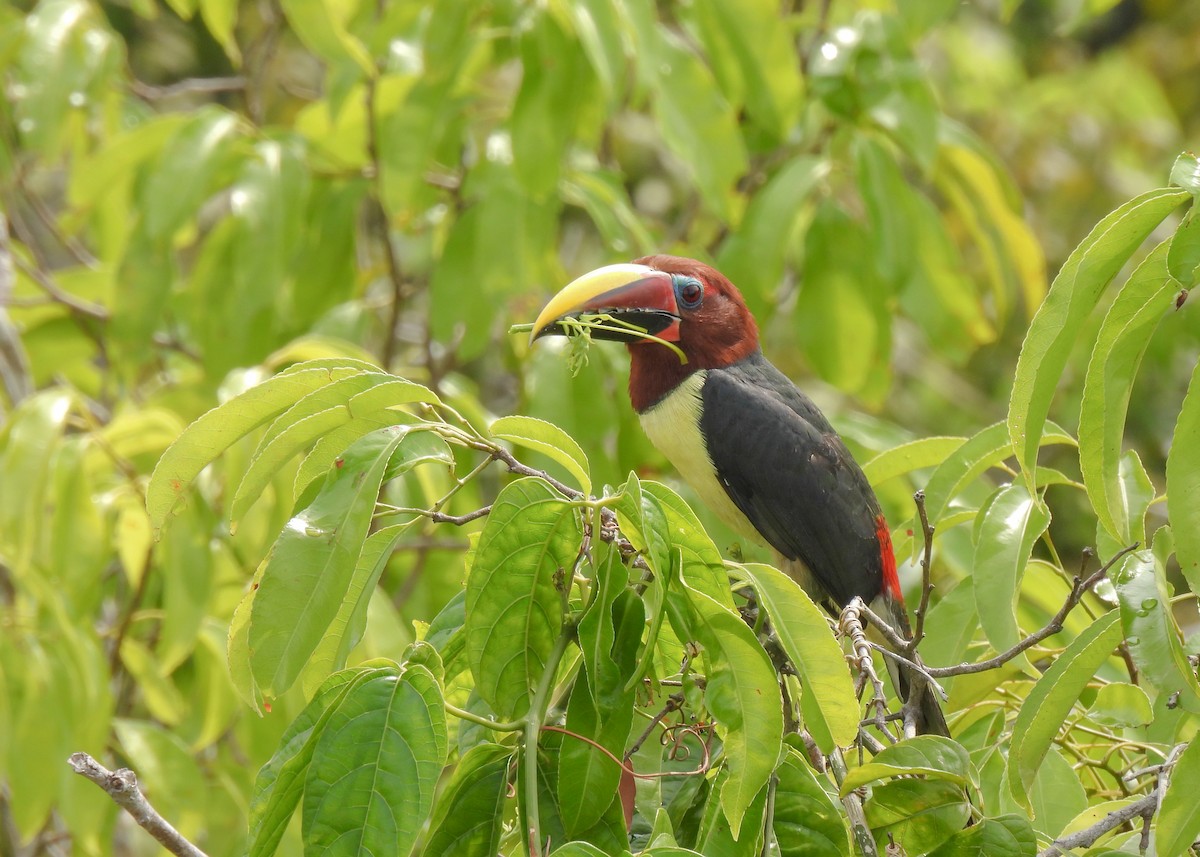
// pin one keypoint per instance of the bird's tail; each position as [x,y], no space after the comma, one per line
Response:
[930,719]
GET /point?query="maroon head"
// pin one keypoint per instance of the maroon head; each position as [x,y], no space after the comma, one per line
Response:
[671,298]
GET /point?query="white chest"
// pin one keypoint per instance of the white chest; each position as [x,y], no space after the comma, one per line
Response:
[673,426]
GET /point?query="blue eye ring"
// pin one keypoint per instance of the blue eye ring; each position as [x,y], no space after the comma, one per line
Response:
[688,290]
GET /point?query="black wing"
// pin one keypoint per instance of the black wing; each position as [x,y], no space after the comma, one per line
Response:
[790,474]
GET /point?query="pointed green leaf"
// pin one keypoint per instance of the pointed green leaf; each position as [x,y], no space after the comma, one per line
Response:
[805,636]
[1147,296]
[741,691]
[919,814]
[312,563]
[1053,696]
[185,173]
[371,781]
[1071,298]
[1183,259]
[524,561]
[907,457]
[1183,484]
[1178,823]
[549,440]
[346,629]
[280,782]
[320,25]
[808,822]
[469,813]
[1012,523]
[1151,632]
[931,755]
[1004,836]
[698,125]
[220,428]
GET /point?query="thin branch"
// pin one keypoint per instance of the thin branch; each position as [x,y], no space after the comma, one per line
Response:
[395,275]
[926,586]
[1078,588]
[674,703]
[59,295]
[188,86]
[121,785]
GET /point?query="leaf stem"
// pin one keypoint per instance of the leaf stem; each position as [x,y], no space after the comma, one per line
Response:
[478,719]
[533,727]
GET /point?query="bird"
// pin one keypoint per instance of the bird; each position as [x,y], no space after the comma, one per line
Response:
[757,450]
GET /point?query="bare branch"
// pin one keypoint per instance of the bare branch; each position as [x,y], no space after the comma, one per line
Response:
[1143,808]
[926,587]
[189,86]
[121,785]
[1078,588]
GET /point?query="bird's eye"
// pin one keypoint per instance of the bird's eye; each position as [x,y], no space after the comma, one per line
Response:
[690,291]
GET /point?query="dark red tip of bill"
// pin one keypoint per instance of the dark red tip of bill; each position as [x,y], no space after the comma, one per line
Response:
[887,556]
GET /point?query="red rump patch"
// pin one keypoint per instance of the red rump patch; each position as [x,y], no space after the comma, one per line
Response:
[891,580]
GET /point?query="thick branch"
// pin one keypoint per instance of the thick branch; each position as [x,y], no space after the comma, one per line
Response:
[121,785]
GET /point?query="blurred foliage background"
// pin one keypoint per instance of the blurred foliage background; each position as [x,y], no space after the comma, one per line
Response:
[196,192]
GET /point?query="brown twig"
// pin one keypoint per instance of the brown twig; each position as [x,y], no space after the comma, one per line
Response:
[926,586]
[188,86]
[400,289]
[121,785]
[674,703]
[1078,588]
[1144,808]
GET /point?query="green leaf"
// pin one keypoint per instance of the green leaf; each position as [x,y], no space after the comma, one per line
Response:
[1145,298]
[984,450]
[220,428]
[1012,523]
[741,692]
[469,813]
[1071,298]
[1002,836]
[808,822]
[976,187]
[1185,173]
[1120,705]
[554,83]
[310,567]
[320,25]
[577,849]
[1183,257]
[1183,484]
[919,814]
[1151,633]
[587,777]
[361,396]
[549,440]
[932,755]
[524,561]
[915,455]
[697,124]
[185,172]
[346,629]
[755,254]
[280,782]
[371,781]
[599,26]
[841,314]
[804,633]
[1178,822]
[1053,696]
[703,567]
[755,60]
[220,16]
[30,437]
